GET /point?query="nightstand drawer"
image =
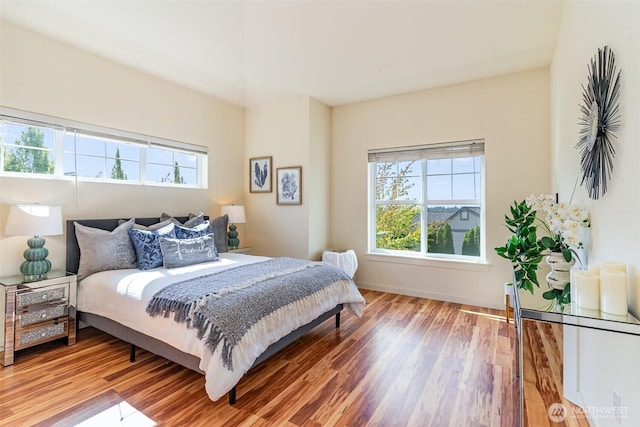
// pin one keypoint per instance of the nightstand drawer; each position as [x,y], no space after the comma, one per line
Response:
[30,296]
[40,334]
[40,314]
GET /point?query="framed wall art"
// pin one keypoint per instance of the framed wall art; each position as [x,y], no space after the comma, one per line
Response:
[289,185]
[260,171]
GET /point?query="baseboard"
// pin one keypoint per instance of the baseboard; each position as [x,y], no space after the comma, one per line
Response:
[439,296]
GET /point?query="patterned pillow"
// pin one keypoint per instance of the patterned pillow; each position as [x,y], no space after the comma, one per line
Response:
[147,246]
[193,232]
[182,252]
[102,250]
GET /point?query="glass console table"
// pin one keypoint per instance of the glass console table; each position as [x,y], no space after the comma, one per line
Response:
[576,367]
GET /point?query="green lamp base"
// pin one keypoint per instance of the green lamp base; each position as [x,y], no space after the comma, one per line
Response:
[233,241]
[36,265]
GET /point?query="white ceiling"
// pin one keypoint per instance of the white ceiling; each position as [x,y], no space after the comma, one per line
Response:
[335,51]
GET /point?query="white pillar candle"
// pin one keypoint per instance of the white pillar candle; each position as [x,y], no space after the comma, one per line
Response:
[574,284]
[595,268]
[613,292]
[614,266]
[588,290]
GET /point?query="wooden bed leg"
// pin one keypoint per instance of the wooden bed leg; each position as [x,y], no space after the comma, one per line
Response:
[337,320]
[232,396]
[132,353]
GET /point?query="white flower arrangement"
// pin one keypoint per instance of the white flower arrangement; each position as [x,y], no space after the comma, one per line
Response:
[563,222]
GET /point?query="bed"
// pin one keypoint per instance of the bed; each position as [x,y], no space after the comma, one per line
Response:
[118,301]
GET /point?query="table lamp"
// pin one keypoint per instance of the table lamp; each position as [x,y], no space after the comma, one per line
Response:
[34,220]
[236,216]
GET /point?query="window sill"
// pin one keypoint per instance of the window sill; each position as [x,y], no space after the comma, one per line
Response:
[423,261]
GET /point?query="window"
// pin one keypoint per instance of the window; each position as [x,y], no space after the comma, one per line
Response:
[89,156]
[37,145]
[428,200]
[28,149]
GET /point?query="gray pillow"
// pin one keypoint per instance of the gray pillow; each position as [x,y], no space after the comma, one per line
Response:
[182,252]
[152,227]
[102,250]
[194,219]
[219,226]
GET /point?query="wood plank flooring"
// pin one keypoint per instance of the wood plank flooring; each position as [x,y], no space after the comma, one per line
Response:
[407,362]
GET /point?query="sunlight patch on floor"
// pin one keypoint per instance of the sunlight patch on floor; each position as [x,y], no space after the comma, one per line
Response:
[120,414]
[497,317]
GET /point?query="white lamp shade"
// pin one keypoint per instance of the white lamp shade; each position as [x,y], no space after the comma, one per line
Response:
[235,212]
[34,220]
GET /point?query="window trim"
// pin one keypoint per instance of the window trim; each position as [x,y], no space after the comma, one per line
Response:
[457,149]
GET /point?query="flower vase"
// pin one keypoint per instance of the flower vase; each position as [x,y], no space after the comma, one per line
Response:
[560,274]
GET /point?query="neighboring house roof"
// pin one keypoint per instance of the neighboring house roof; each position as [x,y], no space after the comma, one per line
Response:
[439,214]
[442,214]
[474,210]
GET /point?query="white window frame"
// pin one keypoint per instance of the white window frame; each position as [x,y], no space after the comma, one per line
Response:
[422,153]
[62,126]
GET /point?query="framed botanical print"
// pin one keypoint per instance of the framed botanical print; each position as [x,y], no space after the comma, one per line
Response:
[260,174]
[289,185]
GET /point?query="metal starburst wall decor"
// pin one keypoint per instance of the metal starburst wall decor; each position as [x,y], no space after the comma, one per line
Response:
[599,120]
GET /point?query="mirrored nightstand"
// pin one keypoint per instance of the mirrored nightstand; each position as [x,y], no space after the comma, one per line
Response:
[36,312]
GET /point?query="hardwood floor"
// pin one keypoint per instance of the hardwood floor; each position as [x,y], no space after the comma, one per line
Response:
[407,362]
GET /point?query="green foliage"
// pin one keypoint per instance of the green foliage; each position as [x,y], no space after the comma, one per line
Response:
[177,178]
[116,171]
[523,248]
[561,296]
[400,185]
[397,227]
[30,155]
[555,246]
[471,242]
[440,238]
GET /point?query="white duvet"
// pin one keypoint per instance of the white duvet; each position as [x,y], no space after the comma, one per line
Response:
[123,295]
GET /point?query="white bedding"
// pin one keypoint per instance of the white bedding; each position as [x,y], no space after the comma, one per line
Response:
[123,295]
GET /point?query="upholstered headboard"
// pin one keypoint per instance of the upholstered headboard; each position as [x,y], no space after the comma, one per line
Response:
[73,251]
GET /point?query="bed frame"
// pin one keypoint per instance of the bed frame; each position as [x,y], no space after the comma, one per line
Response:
[137,339]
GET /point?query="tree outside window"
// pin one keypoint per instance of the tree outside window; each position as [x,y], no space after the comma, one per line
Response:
[29,153]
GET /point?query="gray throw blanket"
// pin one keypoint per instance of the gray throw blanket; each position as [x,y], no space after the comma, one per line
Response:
[229,302]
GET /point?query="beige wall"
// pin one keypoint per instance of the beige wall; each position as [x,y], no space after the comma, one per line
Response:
[511,113]
[317,178]
[615,230]
[606,362]
[295,132]
[40,75]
